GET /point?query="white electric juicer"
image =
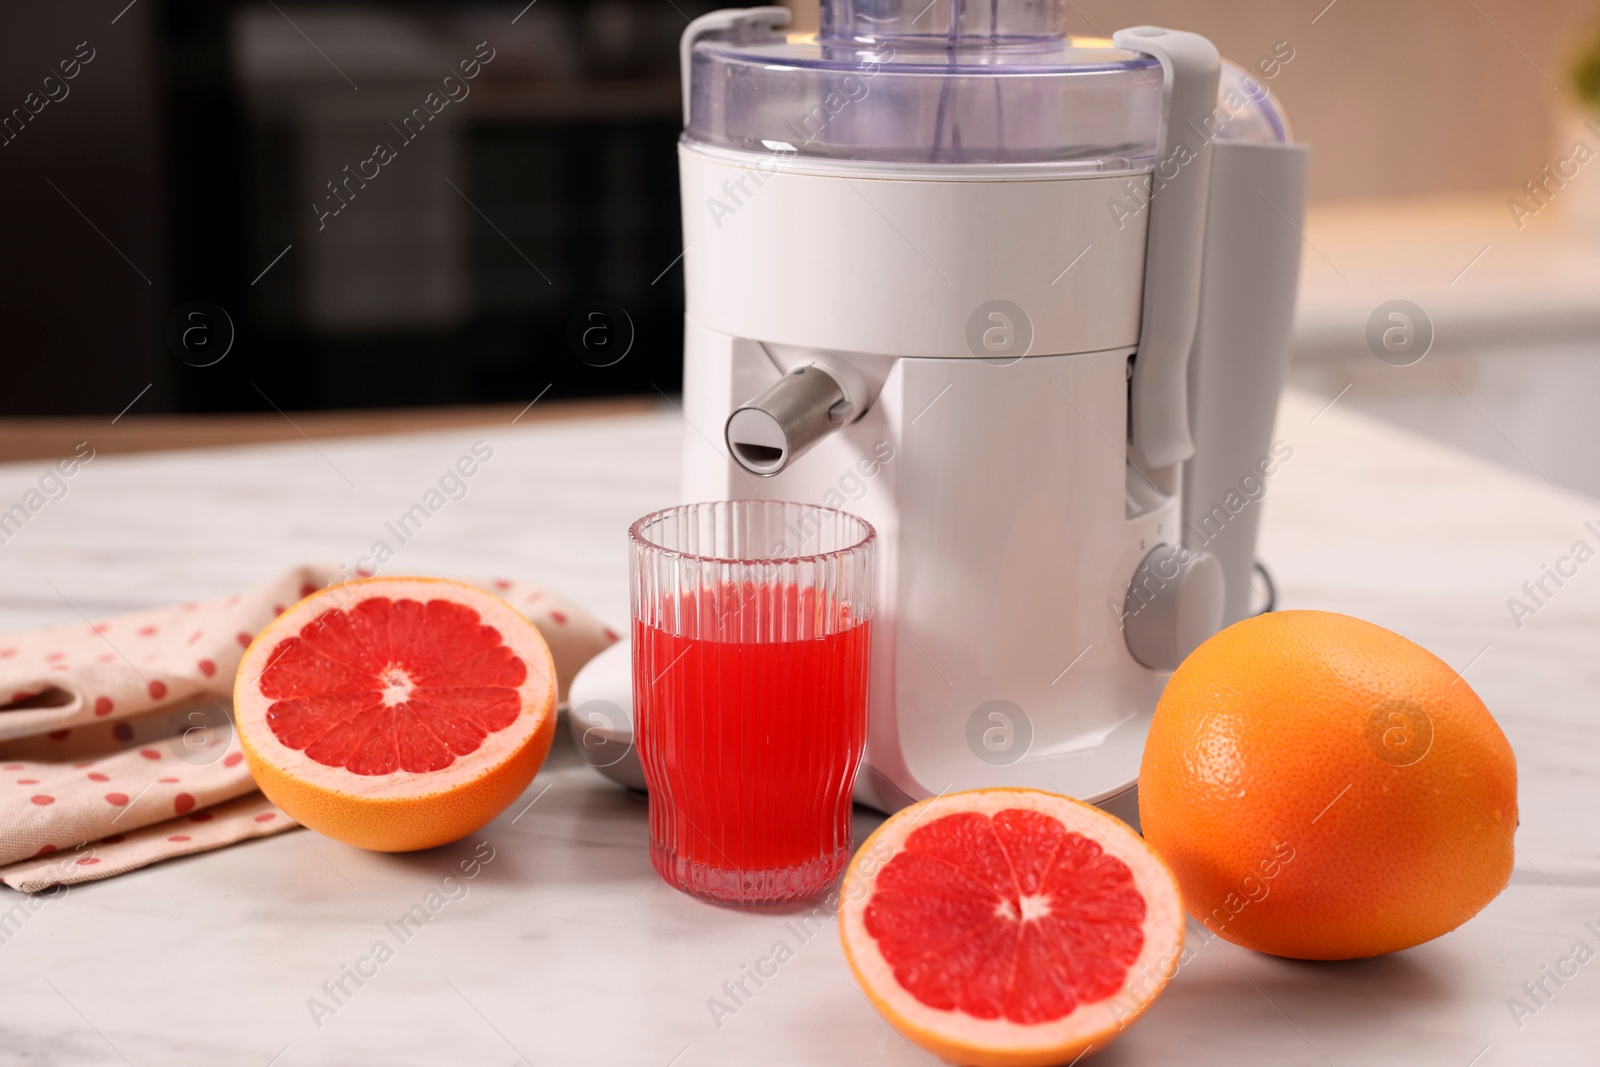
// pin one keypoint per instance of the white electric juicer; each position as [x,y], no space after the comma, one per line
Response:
[1023,302]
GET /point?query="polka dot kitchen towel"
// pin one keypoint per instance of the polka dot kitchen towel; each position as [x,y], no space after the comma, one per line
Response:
[116,744]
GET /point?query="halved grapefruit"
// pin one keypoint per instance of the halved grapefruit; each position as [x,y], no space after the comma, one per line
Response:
[1009,927]
[396,713]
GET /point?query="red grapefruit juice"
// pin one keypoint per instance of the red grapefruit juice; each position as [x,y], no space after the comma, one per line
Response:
[750,735]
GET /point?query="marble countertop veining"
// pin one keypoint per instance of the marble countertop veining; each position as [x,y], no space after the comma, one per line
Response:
[567,949]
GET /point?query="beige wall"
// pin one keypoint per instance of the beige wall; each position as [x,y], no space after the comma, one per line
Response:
[1396,97]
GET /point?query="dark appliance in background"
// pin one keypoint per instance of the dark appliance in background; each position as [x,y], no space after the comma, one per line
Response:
[380,204]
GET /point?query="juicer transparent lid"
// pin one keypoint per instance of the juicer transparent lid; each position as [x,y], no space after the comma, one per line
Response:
[946,82]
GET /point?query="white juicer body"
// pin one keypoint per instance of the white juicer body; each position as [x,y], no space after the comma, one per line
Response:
[996,479]
[1040,382]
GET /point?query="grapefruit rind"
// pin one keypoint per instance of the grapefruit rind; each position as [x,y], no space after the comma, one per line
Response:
[965,1039]
[1324,788]
[402,810]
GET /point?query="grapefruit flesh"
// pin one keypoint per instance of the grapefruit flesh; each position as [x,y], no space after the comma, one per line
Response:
[1009,927]
[396,713]
[1324,788]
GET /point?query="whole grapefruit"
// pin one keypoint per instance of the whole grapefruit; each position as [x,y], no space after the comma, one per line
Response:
[1323,788]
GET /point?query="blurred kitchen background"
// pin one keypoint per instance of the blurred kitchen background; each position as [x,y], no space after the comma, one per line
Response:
[171,245]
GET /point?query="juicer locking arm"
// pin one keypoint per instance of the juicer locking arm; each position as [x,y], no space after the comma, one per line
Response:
[1179,187]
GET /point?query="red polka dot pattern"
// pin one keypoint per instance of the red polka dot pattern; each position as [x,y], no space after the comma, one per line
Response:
[179,650]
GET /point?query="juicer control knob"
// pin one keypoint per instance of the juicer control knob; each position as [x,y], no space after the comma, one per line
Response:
[1174,603]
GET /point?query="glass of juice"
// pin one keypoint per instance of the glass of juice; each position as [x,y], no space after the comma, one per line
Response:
[751,641]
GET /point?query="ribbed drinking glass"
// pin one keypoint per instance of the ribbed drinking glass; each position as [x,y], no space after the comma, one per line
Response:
[751,650]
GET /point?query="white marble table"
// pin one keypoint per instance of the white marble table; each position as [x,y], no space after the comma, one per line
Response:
[569,950]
